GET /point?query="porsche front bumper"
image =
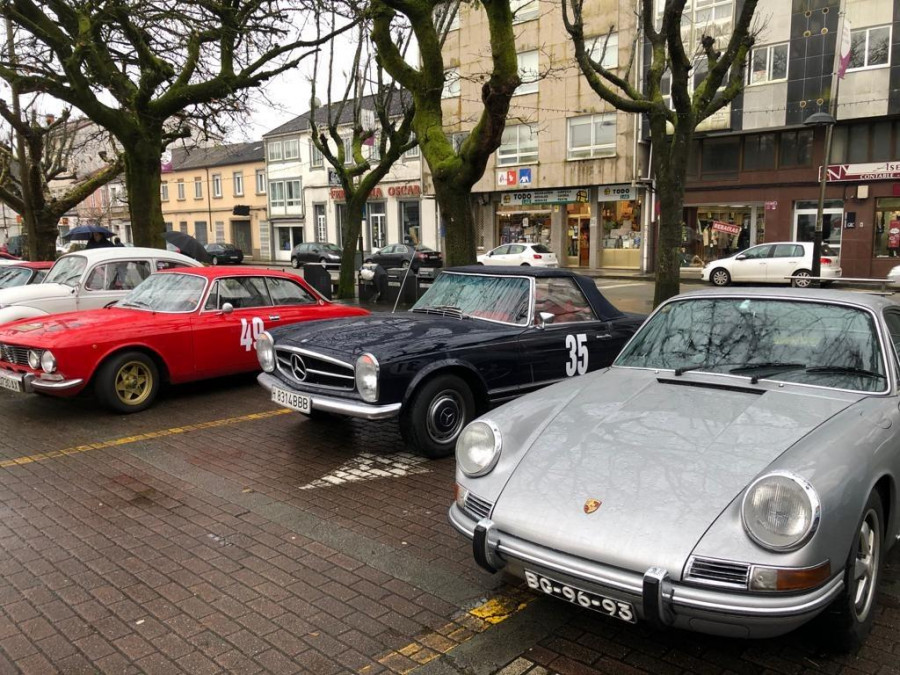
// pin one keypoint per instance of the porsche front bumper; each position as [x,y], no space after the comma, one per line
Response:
[656,597]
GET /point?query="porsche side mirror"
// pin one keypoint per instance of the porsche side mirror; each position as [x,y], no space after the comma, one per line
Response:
[546,318]
[227,308]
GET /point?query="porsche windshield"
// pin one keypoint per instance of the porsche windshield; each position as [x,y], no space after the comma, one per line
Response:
[495,298]
[166,293]
[67,270]
[826,345]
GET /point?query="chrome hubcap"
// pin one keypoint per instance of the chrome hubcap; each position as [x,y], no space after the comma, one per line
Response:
[865,566]
[445,416]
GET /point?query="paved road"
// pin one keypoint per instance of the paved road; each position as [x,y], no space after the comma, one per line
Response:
[217,533]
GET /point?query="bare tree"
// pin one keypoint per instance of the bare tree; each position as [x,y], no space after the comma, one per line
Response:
[454,170]
[702,77]
[372,113]
[141,68]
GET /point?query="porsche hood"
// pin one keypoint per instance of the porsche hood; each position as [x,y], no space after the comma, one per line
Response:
[662,459]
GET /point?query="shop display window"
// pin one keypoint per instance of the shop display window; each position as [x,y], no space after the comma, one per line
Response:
[525,227]
[620,225]
[887,228]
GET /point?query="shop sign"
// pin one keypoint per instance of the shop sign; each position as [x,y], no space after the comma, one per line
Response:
[333,178]
[404,190]
[511,177]
[532,197]
[727,228]
[622,192]
[771,206]
[870,171]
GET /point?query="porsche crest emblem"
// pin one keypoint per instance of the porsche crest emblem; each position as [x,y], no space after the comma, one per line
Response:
[592,505]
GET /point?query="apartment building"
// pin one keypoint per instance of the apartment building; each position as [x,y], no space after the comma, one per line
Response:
[218,194]
[307,203]
[570,170]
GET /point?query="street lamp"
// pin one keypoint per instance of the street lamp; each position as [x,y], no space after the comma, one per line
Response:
[820,119]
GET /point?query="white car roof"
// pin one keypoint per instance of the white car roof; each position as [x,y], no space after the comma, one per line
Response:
[94,255]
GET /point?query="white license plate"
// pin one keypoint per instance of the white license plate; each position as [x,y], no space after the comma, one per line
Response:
[618,609]
[289,399]
[11,382]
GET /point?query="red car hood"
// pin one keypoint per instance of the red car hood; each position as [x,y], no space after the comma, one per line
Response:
[55,330]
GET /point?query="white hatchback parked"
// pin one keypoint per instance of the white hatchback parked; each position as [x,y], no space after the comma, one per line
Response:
[537,255]
[773,263]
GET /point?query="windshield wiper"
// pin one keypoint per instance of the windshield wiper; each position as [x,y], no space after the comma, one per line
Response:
[849,370]
[136,303]
[443,309]
[684,369]
[774,366]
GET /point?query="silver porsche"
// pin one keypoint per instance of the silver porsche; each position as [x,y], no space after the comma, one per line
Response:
[734,472]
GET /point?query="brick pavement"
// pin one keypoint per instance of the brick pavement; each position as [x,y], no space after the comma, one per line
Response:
[196,550]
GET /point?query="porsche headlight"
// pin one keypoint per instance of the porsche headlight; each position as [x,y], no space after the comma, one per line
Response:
[48,361]
[34,358]
[265,352]
[780,511]
[367,377]
[478,448]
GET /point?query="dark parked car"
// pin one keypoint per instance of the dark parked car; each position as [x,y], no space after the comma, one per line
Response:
[406,255]
[315,252]
[479,336]
[224,253]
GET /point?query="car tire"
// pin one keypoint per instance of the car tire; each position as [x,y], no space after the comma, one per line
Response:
[720,277]
[436,415]
[295,263]
[850,617]
[214,261]
[525,265]
[803,281]
[127,382]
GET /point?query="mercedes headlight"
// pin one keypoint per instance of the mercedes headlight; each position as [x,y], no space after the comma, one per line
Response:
[780,511]
[265,352]
[478,448]
[367,377]
[34,358]
[48,361]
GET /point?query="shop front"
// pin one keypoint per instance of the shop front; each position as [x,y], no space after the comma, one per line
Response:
[528,216]
[620,241]
[287,235]
[393,214]
[713,231]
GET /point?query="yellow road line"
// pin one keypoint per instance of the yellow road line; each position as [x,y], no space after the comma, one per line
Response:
[125,440]
[431,644]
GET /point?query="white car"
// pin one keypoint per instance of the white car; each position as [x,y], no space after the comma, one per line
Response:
[88,279]
[537,255]
[773,263]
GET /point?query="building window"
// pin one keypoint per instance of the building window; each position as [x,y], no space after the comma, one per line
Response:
[292,149]
[260,181]
[768,64]
[321,222]
[374,148]
[518,145]
[217,185]
[524,10]
[316,158]
[198,188]
[276,194]
[348,150]
[796,148]
[441,18]
[887,228]
[164,192]
[413,152]
[451,83]
[275,151]
[720,157]
[292,193]
[592,136]
[180,187]
[528,72]
[870,48]
[759,152]
[609,59]
[238,177]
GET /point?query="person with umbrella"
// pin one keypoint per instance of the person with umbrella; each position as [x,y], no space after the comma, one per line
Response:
[98,240]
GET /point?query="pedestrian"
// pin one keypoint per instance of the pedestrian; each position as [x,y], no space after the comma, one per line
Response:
[117,242]
[98,240]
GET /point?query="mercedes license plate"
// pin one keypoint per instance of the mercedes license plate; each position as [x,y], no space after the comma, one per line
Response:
[11,382]
[289,399]
[617,609]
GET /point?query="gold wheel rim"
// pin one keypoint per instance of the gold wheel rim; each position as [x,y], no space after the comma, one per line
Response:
[133,383]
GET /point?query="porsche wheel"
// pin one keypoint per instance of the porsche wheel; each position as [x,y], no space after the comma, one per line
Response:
[720,277]
[439,410]
[852,613]
[127,382]
[801,279]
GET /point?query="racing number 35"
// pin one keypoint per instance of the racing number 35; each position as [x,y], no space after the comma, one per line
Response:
[250,331]
[578,354]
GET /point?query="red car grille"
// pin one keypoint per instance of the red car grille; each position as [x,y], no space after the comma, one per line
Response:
[14,355]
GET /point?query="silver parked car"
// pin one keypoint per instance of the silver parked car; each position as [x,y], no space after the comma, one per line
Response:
[734,472]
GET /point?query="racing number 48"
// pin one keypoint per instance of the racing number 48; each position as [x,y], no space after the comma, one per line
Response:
[250,331]
[578,354]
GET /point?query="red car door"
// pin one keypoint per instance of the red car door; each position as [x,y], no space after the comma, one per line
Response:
[237,310]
